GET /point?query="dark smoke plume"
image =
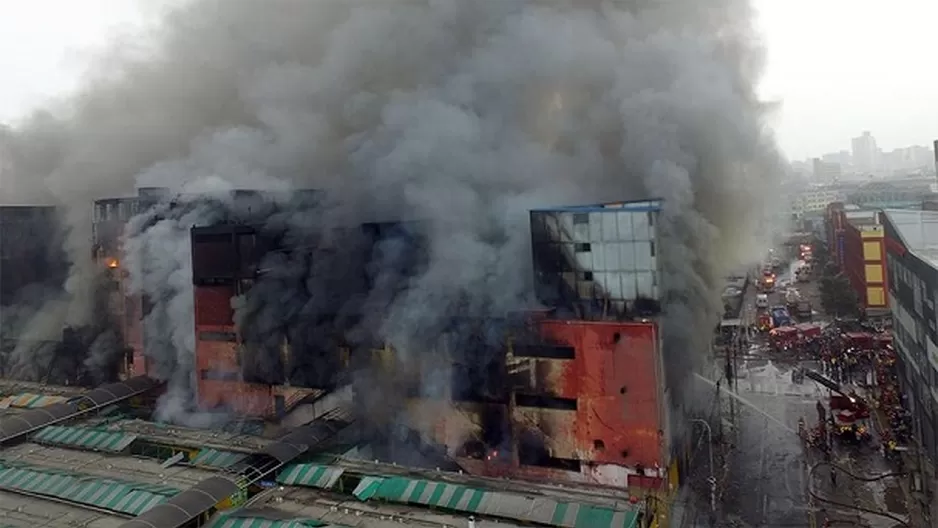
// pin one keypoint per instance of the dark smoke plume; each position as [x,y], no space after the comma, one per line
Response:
[461,114]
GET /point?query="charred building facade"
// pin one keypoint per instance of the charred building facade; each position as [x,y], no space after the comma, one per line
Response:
[29,253]
[581,394]
[574,390]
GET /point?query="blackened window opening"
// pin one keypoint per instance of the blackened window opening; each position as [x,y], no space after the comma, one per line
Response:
[544,351]
[227,337]
[545,402]
[220,375]
[582,248]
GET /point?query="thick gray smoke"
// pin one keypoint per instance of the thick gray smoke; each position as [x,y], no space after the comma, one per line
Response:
[464,114]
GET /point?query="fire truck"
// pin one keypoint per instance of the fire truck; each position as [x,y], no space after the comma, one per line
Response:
[767,281]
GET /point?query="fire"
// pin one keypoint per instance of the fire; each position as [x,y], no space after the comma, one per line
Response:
[113,263]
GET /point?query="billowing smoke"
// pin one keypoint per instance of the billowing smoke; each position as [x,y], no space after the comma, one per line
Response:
[461,115]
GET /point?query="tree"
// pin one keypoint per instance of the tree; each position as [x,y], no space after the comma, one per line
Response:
[837,295]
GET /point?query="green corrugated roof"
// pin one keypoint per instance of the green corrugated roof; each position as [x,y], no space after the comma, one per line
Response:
[367,487]
[85,438]
[231,521]
[494,503]
[311,475]
[217,459]
[125,497]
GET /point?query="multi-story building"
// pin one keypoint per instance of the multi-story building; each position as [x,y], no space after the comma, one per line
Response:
[571,410]
[814,201]
[860,253]
[892,194]
[912,264]
[826,172]
[865,153]
[912,269]
[265,373]
[30,250]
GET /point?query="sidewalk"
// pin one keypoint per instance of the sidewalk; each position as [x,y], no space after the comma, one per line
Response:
[917,516]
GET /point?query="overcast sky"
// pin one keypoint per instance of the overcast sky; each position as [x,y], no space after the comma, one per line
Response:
[837,66]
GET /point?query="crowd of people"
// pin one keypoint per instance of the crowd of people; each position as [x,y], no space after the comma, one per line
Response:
[893,405]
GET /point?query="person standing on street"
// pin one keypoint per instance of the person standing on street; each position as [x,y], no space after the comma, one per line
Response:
[833,477]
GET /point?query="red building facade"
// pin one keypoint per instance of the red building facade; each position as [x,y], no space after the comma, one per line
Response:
[587,407]
[859,250]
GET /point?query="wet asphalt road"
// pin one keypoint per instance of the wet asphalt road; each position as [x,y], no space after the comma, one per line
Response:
[766,483]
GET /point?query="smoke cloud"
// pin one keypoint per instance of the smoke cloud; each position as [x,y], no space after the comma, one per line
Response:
[463,115]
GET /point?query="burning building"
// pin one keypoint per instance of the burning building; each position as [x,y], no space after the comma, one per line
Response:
[574,391]
[30,251]
[578,391]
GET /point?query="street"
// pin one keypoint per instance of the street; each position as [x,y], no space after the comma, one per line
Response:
[772,479]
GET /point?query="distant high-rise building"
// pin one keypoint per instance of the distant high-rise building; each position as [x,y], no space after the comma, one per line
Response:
[825,172]
[935,150]
[865,153]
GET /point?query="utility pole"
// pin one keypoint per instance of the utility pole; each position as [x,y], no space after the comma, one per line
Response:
[712,480]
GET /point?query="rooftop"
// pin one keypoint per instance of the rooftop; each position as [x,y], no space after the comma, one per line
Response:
[918,230]
[99,471]
[22,511]
[653,204]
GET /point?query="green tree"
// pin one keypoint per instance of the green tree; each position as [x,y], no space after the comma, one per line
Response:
[838,297]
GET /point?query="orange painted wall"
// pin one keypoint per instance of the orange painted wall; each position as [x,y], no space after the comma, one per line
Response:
[616,387]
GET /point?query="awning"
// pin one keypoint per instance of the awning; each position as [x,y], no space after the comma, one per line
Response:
[525,508]
[217,459]
[311,475]
[85,438]
[120,496]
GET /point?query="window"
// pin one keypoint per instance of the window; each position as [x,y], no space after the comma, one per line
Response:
[544,351]
[227,337]
[545,402]
[581,218]
[582,248]
[586,276]
[651,219]
[220,375]
[652,247]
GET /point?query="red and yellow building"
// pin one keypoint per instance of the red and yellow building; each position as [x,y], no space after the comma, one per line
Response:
[858,246]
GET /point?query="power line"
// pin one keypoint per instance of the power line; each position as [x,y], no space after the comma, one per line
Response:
[817,497]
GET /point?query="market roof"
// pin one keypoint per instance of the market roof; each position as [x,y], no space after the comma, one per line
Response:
[22,511]
[132,498]
[15,427]
[85,438]
[30,400]
[216,458]
[108,465]
[266,518]
[187,505]
[467,498]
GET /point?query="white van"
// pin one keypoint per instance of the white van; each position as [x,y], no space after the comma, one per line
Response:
[762,301]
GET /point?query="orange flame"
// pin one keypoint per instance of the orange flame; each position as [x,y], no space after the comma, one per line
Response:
[113,263]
